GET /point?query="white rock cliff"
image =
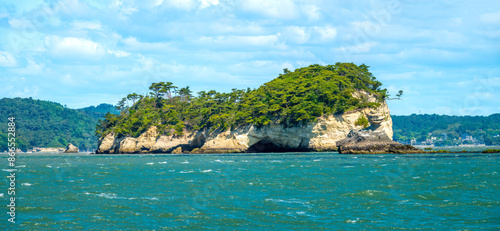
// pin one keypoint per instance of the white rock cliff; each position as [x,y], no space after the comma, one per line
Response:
[321,135]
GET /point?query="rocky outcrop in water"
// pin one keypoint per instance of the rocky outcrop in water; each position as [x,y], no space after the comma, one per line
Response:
[71,149]
[321,135]
[372,142]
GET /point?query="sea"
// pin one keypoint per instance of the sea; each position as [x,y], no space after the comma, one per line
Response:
[266,191]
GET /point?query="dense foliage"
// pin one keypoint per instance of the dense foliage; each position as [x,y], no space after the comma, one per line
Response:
[48,124]
[418,127]
[293,98]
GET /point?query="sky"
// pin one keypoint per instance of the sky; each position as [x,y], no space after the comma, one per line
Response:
[444,55]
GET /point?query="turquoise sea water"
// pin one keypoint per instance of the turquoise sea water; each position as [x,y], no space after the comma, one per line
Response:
[324,191]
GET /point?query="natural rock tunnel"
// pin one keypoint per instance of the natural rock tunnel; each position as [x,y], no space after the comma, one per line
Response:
[266,145]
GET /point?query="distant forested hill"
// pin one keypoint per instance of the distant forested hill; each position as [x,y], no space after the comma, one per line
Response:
[450,129]
[48,124]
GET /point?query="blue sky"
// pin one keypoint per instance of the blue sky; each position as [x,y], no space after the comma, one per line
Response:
[444,55]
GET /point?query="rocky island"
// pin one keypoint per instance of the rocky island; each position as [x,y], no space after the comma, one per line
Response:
[316,108]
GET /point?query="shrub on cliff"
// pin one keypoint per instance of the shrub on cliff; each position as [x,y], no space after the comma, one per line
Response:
[292,99]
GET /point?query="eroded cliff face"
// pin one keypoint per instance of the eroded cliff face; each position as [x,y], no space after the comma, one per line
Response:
[321,135]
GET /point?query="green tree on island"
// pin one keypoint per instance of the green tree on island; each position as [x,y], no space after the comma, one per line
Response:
[292,99]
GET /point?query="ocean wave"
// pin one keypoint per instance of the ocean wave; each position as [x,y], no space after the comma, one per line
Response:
[368,192]
[107,195]
[115,196]
[224,161]
[289,201]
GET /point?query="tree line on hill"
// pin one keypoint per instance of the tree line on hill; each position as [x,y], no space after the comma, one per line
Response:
[42,123]
[449,130]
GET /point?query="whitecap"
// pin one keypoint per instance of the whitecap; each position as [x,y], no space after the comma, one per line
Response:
[1,194]
[26,184]
[151,198]
[21,166]
[171,170]
[48,166]
[185,162]
[186,171]
[208,170]
[276,161]
[107,195]
[289,201]
[317,160]
[150,163]
[164,162]
[352,221]
[348,166]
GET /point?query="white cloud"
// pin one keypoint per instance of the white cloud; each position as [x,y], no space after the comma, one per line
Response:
[359,48]
[295,34]
[303,35]
[7,60]
[87,25]
[312,12]
[181,4]
[73,47]
[155,3]
[132,44]
[19,23]
[124,10]
[397,76]
[326,33]
[241,41]
[118,53]
[492,18]
[208,3]
[31,68]
[280,9]
[72,8]
[233,28]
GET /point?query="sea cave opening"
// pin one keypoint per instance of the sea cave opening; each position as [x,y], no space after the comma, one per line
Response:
[270,146]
